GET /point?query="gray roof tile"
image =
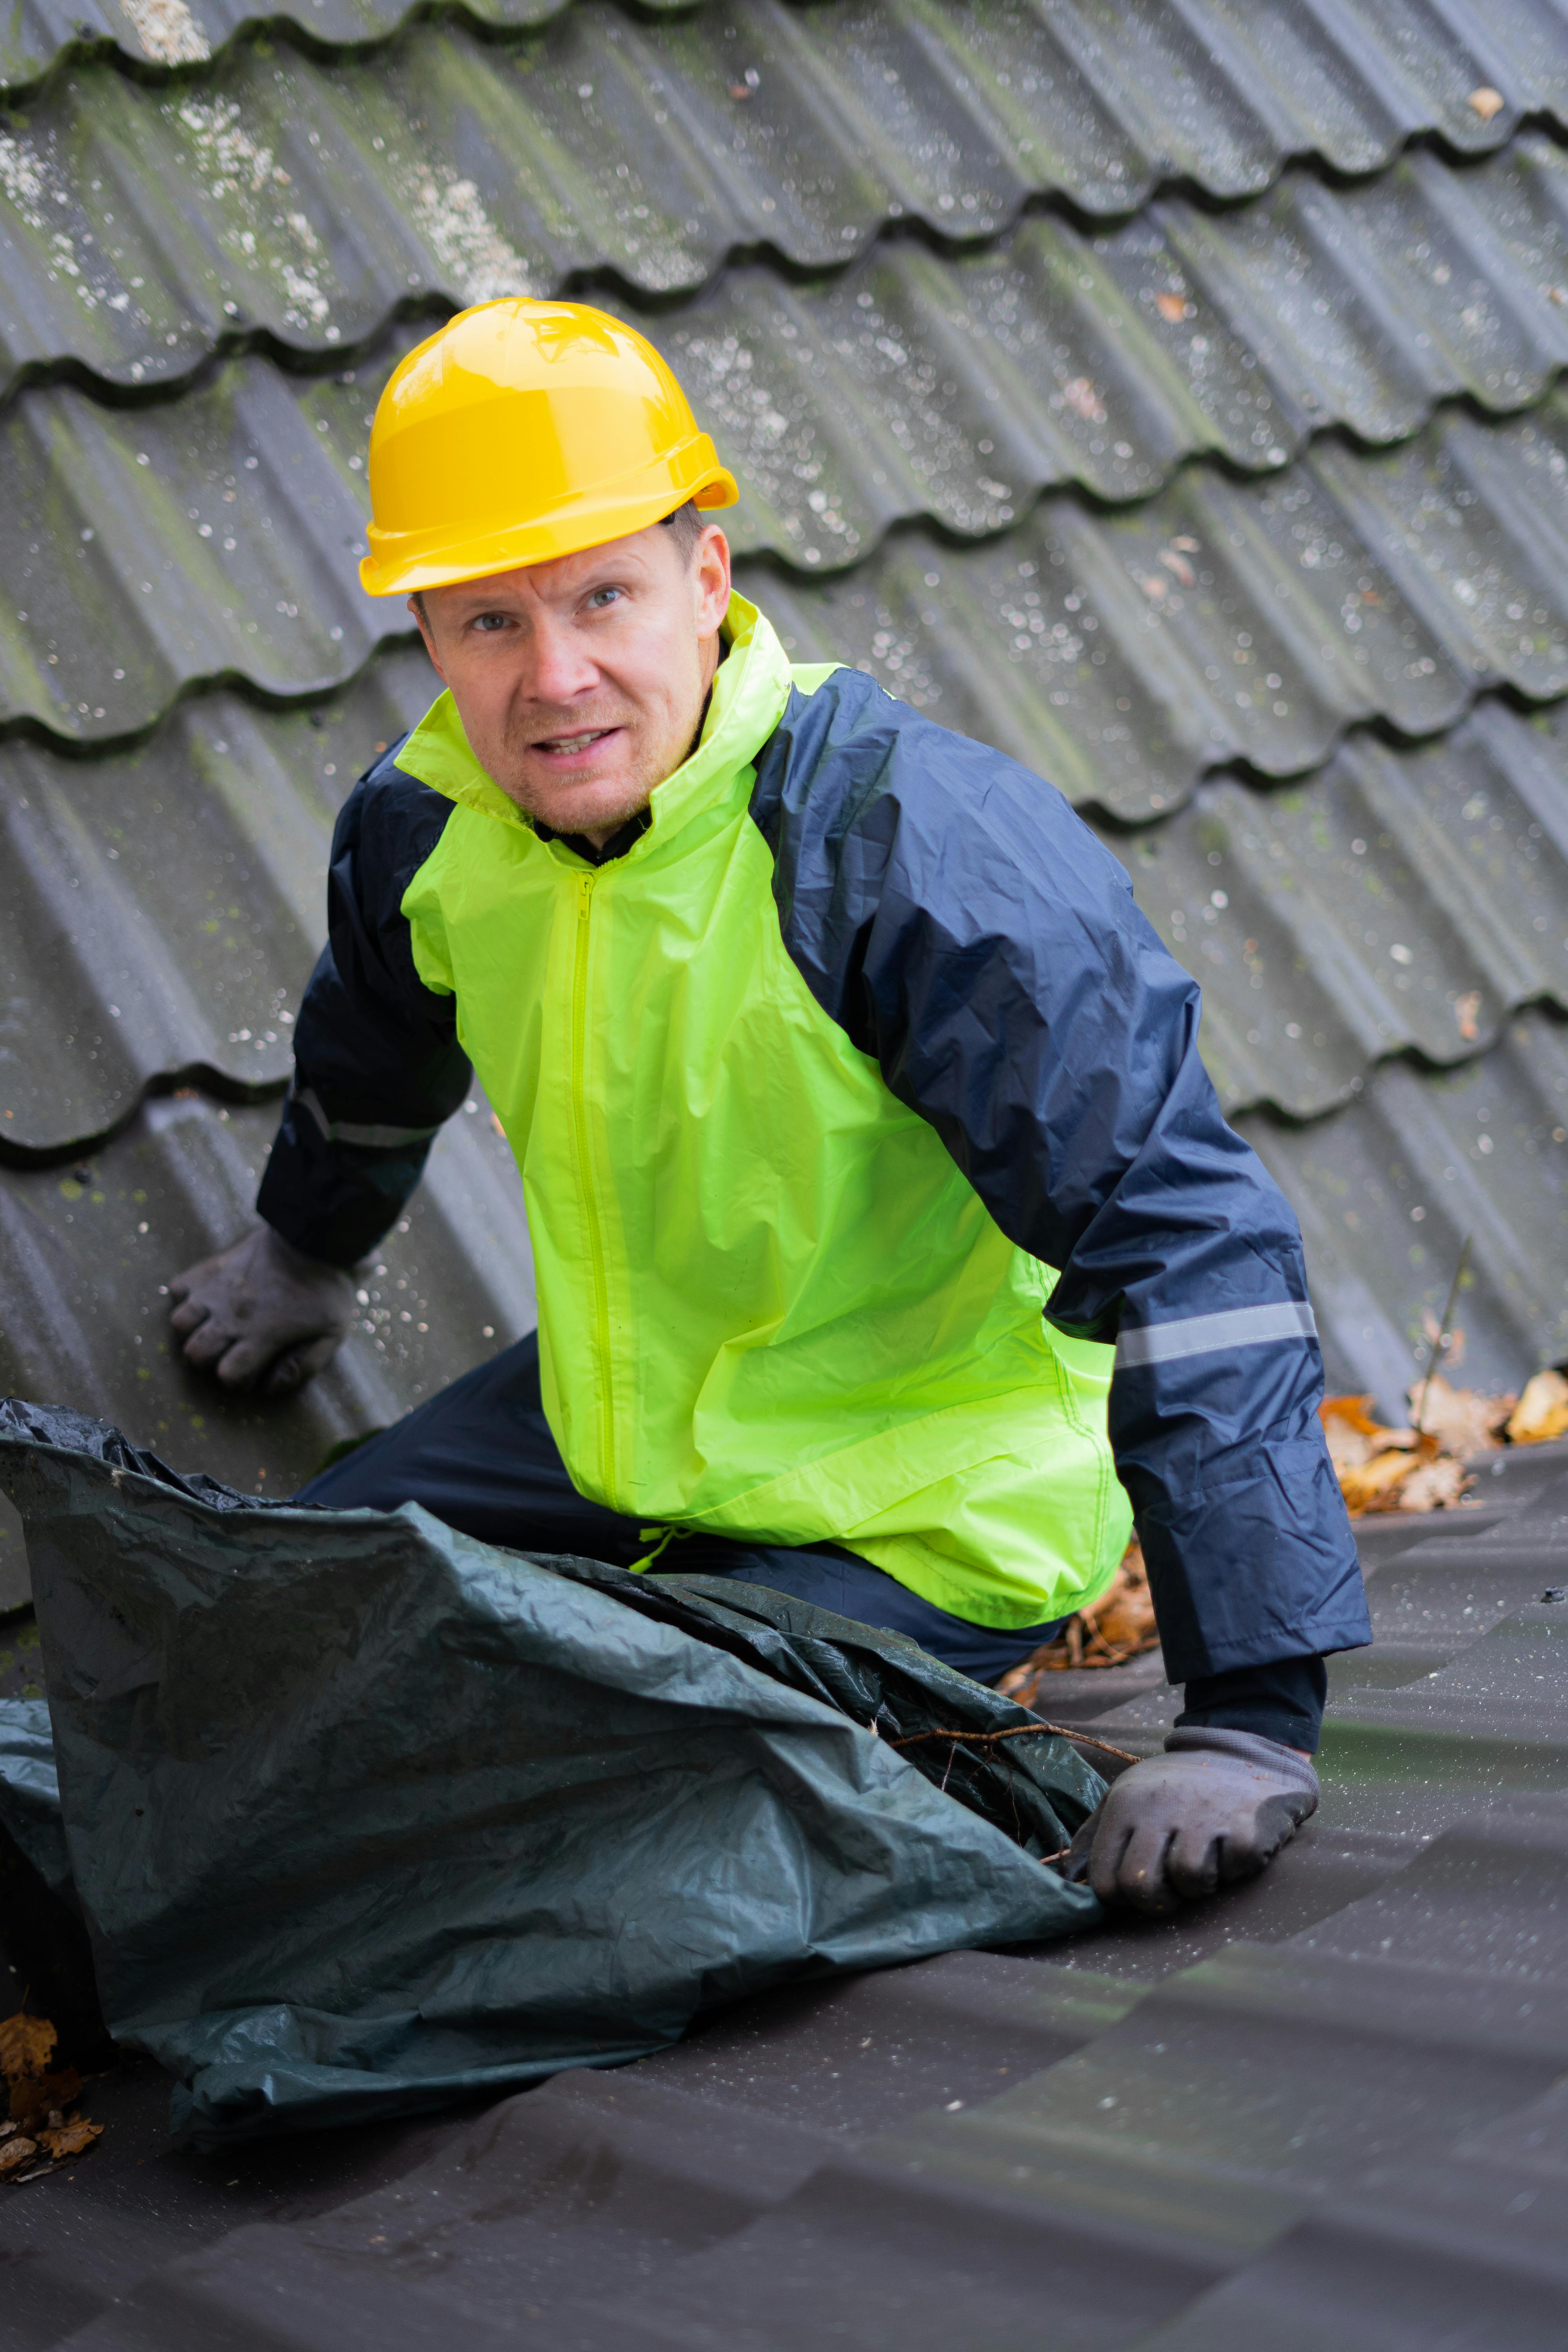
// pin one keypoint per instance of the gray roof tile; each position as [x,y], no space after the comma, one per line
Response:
[304,198]
[1388,1189]
[1364,584]
[163,906]
[86,1258]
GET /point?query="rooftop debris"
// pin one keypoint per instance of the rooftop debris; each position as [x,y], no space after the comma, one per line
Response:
[40,2132]
[1117,1627]
[1422,1467]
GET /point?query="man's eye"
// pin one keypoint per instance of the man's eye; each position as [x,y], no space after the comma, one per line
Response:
[488,622]
[603,596]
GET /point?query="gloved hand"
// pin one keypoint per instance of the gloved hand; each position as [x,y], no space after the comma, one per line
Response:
[262,1314]
[1217,1806]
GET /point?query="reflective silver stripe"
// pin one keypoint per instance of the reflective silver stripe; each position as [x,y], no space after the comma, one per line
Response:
[373,1138]
[1205,1335]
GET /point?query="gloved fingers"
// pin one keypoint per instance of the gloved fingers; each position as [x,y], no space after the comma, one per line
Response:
[190,1314]
[1258,1838]
[300,1364]
[1202,1853]
[1137,1874]
[259,1353]
[242,1357]
[208,1340]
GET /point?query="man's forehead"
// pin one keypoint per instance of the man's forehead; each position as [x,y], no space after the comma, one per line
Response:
[561,576]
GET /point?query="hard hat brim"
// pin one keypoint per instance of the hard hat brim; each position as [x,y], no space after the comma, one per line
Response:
[400,563]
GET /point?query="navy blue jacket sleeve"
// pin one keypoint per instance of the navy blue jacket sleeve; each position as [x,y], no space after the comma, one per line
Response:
[377,1065]
[967,930]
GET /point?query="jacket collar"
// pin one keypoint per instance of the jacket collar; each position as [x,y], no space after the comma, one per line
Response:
[751,688]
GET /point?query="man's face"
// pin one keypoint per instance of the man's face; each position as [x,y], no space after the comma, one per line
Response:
[581,683]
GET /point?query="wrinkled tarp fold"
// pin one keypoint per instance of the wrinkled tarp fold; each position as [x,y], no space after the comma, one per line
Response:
[363,1813]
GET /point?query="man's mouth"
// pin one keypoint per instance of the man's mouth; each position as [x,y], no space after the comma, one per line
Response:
[570,746]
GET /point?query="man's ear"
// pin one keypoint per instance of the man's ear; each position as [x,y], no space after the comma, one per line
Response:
[416,608]
[710,566]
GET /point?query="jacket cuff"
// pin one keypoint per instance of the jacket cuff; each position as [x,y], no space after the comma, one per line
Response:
[1282,1702]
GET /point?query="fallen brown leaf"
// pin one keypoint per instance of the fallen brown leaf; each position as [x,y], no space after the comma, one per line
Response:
[1435,1486]
[15,2154]
[69,2139]
[1368,1484]
[1462,1421]
[26,2044]
[33,2096]
[1118,1626]
[1541,1411]
[1355,1439]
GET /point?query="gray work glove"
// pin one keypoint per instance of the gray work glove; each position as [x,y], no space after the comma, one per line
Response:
[1217,1806]
[262,1314]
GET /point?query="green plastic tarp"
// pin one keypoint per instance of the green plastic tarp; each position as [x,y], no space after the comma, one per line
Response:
[362,1813]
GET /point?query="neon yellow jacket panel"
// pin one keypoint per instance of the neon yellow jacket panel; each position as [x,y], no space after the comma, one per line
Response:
[770,1304]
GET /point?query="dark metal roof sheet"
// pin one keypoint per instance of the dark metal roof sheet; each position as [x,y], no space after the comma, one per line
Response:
[1388,1189]
[1400,902]
[1124,652]
[305,197]
[1309,2111]
[1317,2109]
[961,106]
[86,1248]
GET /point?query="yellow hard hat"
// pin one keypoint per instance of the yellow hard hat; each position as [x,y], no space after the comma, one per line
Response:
[524,431]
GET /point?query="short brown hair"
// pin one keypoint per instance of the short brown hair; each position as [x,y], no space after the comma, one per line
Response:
[688,526]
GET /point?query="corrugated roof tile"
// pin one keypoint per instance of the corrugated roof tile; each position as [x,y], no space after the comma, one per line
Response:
[303,198]
[1388,1189]
[83,1320]
[161,909]
[1099,99]
[1246,619]
[163,906]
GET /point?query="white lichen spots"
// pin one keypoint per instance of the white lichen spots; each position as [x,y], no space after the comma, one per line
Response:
[241,162]
[23,178]
[307,306]
[479,263]
[167,31]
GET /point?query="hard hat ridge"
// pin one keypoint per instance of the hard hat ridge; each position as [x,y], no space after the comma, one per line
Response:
[524,431]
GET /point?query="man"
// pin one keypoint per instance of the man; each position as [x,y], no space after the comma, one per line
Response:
[857,1108]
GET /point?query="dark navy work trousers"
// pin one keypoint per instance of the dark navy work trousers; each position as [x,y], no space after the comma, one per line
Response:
[479,1456]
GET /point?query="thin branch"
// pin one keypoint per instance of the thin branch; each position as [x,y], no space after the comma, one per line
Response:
[1444,1332]
[1021,1731]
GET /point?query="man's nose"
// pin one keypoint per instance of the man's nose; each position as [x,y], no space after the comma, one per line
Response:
[556,668]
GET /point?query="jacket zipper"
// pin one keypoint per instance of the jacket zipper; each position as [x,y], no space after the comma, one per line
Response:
[585,1177]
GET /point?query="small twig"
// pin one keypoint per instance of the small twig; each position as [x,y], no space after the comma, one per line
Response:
[952,1753]
[1443,1334]
[1020,1731]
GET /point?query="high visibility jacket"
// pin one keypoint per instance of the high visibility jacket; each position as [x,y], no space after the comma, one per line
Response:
[813,1092]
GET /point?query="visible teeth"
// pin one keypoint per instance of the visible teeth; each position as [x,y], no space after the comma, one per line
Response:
[576,742]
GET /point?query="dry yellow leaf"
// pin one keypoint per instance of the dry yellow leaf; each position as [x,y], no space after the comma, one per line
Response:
[69,2139]
[26,2044]
[34,2096]
[1462,1421]
[1435,1486]
[1376,1481]
[1486,102]
[1541,1411]
[1354,1410]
